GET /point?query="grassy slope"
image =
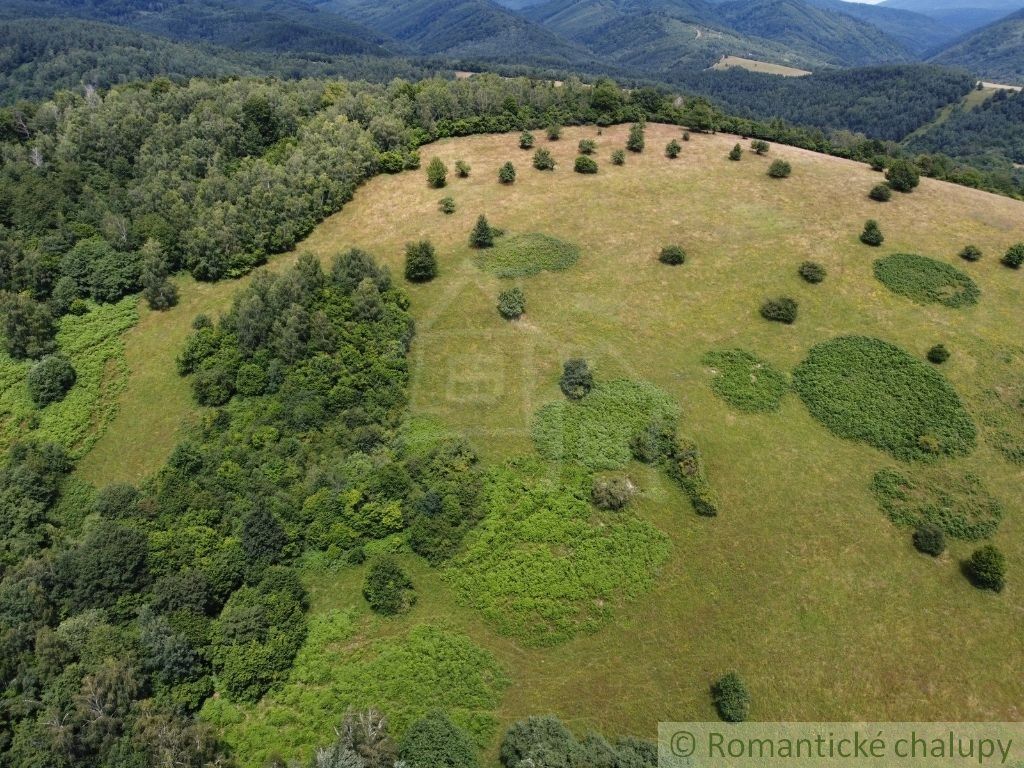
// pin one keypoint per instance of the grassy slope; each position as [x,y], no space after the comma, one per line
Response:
[759,66]
[801,584]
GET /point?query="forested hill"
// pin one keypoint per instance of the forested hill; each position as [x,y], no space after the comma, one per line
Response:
[41,56]
[883,102]
[996,52]
[280,26]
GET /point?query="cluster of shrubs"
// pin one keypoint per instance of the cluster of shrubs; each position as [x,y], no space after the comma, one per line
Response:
[658,442]
[543,160]
[545,741]
[780,169]
[612,492]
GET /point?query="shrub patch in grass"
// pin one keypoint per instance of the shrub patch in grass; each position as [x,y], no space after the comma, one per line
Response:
[746,382]
[529,254]
[543,565]
[926,281]
[94,346]
[957,503]
[1000,402]
[866,389]
[596,431]
[405,676]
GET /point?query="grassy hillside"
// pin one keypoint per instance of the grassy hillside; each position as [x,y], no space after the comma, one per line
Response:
[802,583]
[993,52]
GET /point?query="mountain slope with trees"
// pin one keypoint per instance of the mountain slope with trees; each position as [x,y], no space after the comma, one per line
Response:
[995,52]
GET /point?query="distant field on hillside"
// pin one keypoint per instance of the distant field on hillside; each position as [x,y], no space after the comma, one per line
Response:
[728,62]
[802,583]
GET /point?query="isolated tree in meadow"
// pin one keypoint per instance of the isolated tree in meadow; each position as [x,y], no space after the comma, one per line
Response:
[587,146]
[780,310]
[462,168]
[437,173]
[929,539]
[902,175]
[526,140]
[812,272]
[1014,256]
[938,354]
[420,262]
[672,149]
[779,169]
[554,132]
[760,146]
[636,141]
[446,205]
[482,235]
[543,160]
[736,152]
[507,174]
[987,568]
[618,157]
[577,378]
[871,235]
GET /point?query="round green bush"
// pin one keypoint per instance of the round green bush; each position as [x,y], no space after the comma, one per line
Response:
[779,169]
[446,205]
[736,152]
[812,272]
[1014,257]
[50,379]
[526,140]
[672,254]
[511,304]
[926,281]
[435,741]
[881,193]
[872,235]
[672,149]
[938,354]
[585,164]
[528,254]
[929,539]
[543,160]
[987,568]
[388,589]
[780,310]
[971,253]
[462,168]
[866,389]
[760,146]
[746,382]
[577,379]
[612,492]
[731,698]
[618,157]
[587,146]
